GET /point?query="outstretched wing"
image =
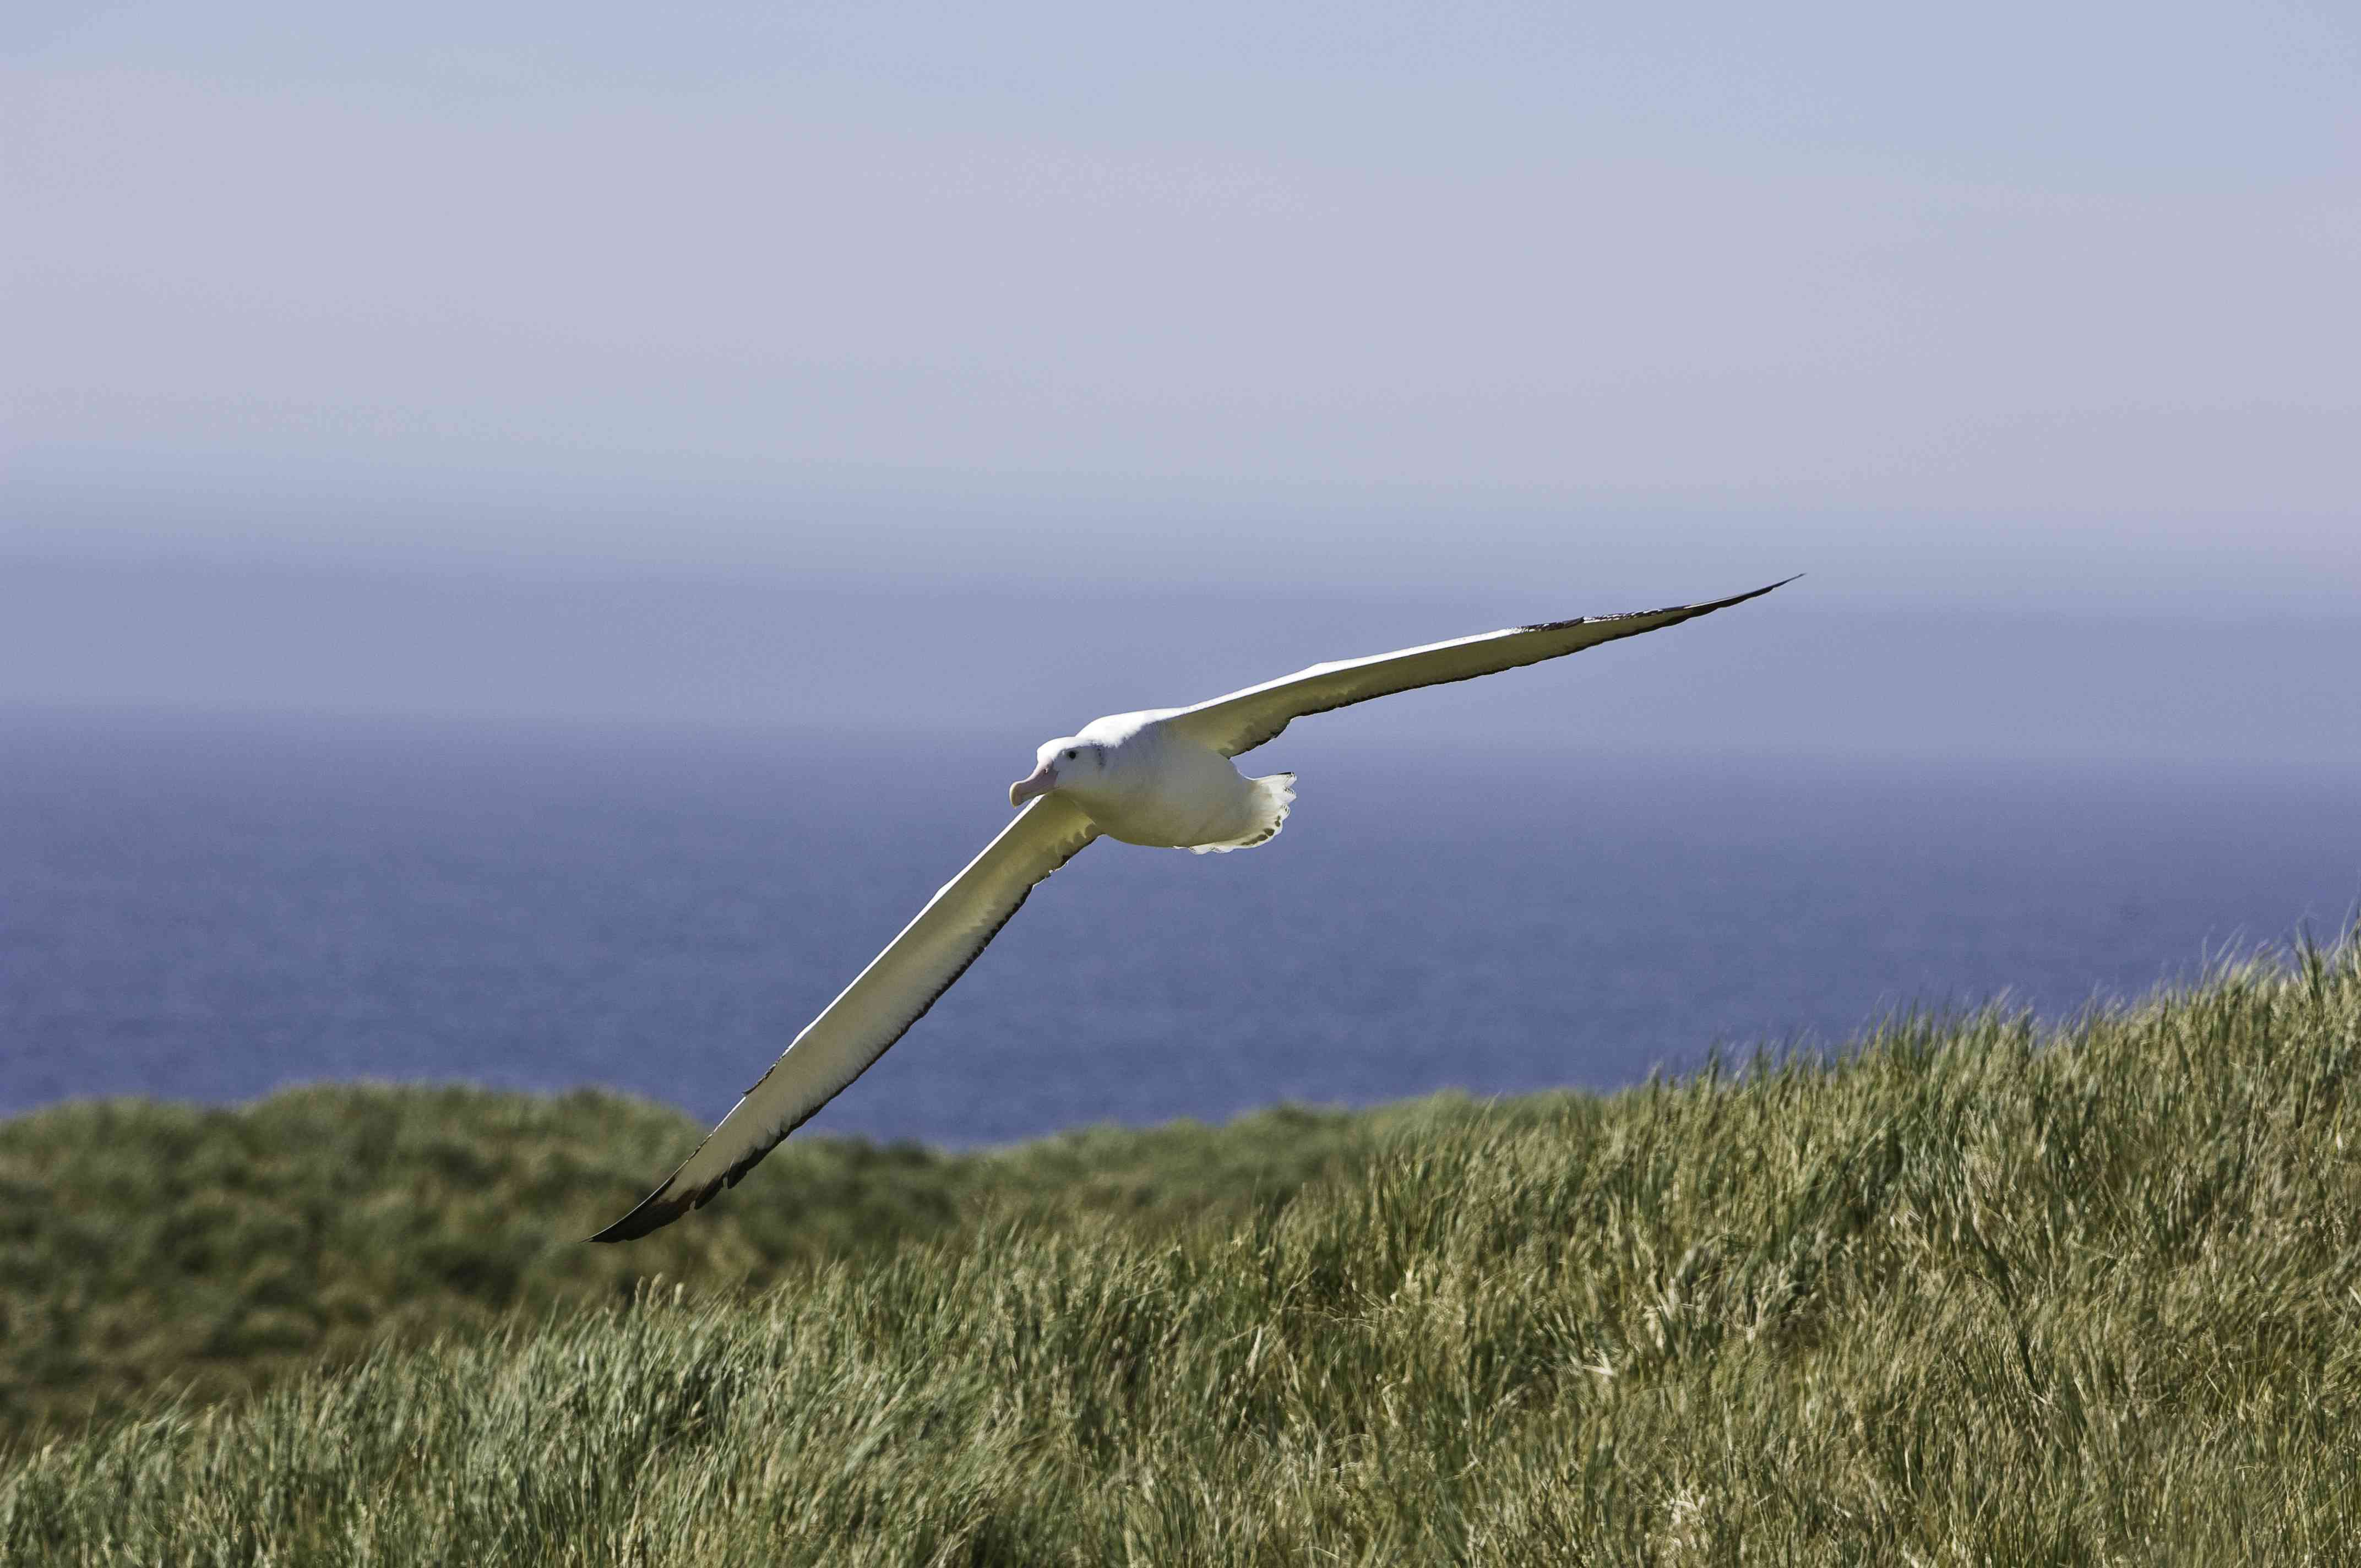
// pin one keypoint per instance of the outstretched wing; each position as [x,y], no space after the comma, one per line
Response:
[1245,719]
[890,995]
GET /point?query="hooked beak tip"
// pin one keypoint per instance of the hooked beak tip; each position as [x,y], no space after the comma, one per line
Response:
[1042,782]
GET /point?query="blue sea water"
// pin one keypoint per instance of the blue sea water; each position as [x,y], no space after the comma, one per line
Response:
[211,908]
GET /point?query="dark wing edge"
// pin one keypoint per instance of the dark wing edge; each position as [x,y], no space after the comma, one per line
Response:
[1656,617]
[673,1199]
[1363,680]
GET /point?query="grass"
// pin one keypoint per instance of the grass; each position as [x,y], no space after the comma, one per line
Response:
[149,1248]
[1969,1295]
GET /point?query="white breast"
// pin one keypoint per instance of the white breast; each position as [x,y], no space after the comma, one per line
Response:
[1165,790]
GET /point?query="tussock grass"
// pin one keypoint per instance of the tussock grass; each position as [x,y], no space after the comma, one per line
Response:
[1968,1296]
[151,1248]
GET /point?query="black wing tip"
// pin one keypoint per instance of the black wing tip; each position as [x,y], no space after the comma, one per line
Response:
[1684,610]
[669,1201]
[1749,594]
[656,1211]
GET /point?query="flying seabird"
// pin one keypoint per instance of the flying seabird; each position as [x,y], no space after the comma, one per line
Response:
[1162,777]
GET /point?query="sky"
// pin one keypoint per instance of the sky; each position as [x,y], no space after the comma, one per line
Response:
[2020,329]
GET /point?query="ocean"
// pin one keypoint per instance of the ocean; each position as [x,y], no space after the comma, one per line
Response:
[209,908]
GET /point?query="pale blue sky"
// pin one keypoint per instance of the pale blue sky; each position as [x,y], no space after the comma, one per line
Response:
[2003,308]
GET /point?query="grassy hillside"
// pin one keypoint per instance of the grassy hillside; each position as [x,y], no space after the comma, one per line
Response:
[1969,1297]
[148,1248]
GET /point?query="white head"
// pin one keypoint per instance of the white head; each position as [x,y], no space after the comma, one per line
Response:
[1064,763]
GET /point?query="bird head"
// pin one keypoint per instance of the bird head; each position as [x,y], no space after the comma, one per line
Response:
[1059,765]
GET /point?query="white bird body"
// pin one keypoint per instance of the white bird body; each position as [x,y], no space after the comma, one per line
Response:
[1160,777]
[1143,782]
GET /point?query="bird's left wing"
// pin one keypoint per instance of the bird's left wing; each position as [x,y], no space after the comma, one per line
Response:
[890,995]
[1245,719]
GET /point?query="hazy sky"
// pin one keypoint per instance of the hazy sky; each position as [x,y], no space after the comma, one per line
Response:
[2003,306]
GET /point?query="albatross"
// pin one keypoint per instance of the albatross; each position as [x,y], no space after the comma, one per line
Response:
[1162,777]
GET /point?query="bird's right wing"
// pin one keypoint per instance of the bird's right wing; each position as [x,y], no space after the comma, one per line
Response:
[1245,719]
[872,1012]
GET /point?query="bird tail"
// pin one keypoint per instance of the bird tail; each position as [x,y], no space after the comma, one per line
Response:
[1268,802]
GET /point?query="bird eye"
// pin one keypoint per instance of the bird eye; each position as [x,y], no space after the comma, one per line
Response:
[1071,755]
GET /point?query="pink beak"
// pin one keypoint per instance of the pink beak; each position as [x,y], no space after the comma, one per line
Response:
[1044,780]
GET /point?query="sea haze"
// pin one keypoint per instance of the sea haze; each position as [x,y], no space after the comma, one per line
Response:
[211,908]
